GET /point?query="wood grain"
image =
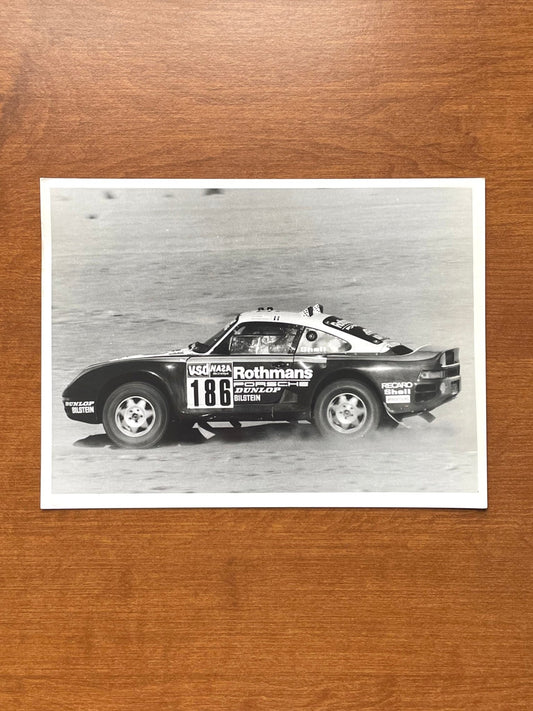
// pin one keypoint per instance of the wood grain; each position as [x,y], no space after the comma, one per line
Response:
[268,609]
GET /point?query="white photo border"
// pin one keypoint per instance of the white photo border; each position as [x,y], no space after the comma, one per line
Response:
[458,500]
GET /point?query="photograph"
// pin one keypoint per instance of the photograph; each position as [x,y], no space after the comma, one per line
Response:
[263,343]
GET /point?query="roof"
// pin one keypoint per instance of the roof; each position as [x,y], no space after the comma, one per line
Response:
[316,320]
[285,317]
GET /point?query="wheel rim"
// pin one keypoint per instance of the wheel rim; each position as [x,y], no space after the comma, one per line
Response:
[347,413]
[135,416]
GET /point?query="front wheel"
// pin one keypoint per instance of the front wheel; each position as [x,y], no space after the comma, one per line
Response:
[135,415]
[347,408]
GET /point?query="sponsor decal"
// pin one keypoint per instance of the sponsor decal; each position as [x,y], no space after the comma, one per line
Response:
[213,384]
[251,384]
[260,372]
[252,387]
[398,399]
[403,384]
[209,370]
[80,406]
[314,350]
[397,392]
[357,331]
[209,385]
[247,398]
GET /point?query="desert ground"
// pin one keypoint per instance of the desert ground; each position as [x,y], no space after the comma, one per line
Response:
[148,270]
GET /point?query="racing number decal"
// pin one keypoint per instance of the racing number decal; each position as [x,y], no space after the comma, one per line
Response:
[209,385]
[209,392]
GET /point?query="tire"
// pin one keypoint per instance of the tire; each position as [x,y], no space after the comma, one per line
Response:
[347,408]
[135,415]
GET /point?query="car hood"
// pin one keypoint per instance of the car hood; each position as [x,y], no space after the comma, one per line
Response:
[155,356]
[174,355]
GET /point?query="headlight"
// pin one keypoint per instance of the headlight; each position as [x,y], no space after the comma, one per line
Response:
[432,374]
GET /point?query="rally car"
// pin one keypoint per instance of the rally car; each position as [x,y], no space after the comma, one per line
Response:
[267,365]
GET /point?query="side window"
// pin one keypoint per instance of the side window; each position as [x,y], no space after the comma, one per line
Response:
[315,342]
[263,339]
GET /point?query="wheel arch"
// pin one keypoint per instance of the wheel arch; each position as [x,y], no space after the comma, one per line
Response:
[346,374]
[141,376]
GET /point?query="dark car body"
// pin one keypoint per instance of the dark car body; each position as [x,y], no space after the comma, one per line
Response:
[270,365]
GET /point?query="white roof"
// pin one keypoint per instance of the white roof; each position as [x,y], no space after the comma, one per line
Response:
[284,316]
[358,345]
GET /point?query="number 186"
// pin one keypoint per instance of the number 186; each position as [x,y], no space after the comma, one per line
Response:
[209,392]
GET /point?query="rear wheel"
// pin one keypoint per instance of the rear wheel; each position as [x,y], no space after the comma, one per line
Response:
[135,415]
[347,408]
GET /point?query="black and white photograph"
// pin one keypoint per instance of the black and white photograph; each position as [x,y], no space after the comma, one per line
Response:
[212,343]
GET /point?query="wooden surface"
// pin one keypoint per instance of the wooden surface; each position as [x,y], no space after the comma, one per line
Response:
[267,609]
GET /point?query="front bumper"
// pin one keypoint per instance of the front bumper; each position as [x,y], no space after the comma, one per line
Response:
[81,410]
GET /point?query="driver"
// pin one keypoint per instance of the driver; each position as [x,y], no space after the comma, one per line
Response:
[262,344]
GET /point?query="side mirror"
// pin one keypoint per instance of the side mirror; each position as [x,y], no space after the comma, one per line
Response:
[198,347]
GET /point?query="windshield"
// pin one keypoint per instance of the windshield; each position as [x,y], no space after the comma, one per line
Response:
[203,347]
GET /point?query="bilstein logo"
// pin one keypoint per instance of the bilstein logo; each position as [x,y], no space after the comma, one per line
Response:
[262,373]
[78,406]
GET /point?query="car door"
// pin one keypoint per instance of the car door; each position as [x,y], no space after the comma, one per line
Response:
[248,375]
